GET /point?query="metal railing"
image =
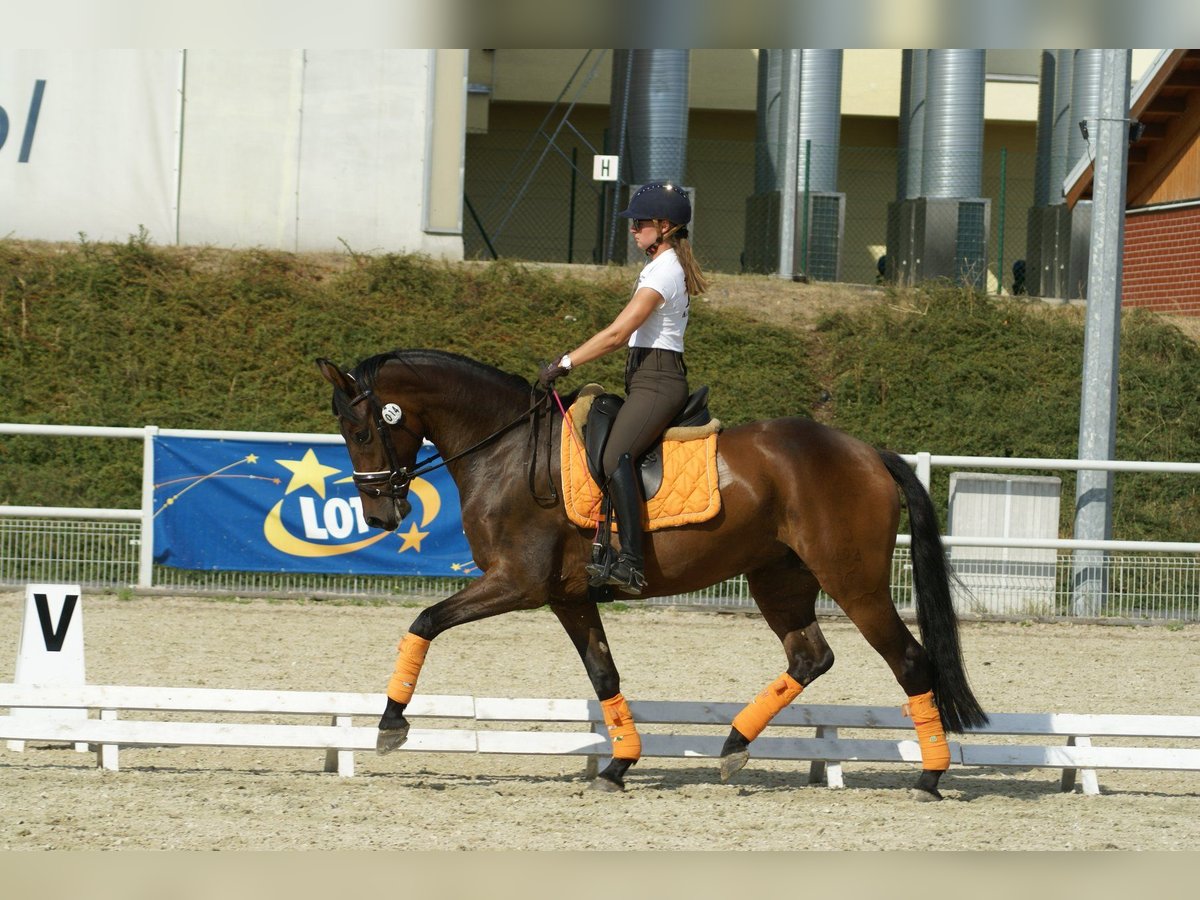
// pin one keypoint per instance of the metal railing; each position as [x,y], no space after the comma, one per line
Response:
[112,549]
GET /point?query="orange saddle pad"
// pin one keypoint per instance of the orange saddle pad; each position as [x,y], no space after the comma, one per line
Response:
[689,492]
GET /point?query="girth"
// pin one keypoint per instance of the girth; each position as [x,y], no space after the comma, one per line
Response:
[649,465]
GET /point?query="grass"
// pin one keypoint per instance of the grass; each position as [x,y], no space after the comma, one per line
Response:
[129,334]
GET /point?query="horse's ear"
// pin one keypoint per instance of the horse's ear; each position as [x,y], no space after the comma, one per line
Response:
[335,376]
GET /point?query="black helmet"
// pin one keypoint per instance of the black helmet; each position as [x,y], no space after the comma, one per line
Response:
[660,200]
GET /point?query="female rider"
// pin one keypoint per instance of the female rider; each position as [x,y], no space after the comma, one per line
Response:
[652,326]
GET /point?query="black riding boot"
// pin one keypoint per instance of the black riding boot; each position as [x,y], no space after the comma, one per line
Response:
[625,491]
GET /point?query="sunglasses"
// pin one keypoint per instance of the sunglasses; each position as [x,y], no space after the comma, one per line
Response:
[639,224]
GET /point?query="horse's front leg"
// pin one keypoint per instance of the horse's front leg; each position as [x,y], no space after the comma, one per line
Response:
[583,626]
[489,596]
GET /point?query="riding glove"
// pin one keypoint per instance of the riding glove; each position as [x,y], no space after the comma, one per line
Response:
[553,371]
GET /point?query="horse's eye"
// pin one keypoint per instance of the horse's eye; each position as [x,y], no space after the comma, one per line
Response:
[361,437]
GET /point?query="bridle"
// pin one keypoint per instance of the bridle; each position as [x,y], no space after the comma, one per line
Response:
[393,482]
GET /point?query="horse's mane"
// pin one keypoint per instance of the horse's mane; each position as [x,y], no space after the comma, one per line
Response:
[367,371]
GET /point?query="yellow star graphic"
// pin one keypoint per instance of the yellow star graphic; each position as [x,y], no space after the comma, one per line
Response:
[252,459]
[412,539]
[307,472]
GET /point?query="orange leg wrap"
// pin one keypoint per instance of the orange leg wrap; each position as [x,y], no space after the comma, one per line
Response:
[626,742]
[935,752]
[751,721]
[408,666]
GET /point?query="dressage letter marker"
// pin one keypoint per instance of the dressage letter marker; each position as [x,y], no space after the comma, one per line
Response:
[50,651]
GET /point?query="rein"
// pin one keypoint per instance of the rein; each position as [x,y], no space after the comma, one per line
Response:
[393,481]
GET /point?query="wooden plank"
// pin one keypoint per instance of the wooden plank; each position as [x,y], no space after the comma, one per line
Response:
[507,709]
[1094,725]
[669,712]
[678,712]
[221,700]
[1078,757]
[127,732]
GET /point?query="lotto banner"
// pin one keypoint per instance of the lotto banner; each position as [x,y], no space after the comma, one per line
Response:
[292,507]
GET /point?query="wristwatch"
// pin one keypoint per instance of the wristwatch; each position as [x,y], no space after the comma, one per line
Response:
[565,361]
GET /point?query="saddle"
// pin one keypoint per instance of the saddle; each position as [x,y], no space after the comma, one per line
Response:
[678,473]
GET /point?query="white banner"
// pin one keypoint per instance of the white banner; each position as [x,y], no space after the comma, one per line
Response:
[241,148]
[89,143]
[362,172]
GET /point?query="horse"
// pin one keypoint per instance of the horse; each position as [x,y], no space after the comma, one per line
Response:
[804,508]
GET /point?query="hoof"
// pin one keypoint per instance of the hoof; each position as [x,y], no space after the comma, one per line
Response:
[923,796]
[607,785]
[391,739]
[733,763]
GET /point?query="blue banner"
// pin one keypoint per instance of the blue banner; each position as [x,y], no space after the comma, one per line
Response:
[292,507]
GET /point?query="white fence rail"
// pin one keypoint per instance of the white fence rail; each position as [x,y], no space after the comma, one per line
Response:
[461,726]
[54,543]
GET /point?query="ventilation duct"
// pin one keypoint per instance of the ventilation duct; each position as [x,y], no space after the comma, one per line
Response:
[761,240]
[1064,61]
[820,119]
[941,227]
[816,219]
[916,124]
[1035,217]
[767,131]
[952,163]
[1045,130]
[1058,236]
[648,117]
[652,113]
[821,211]
[1085,102]
[906,62]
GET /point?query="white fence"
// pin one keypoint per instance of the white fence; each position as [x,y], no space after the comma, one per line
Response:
[113,548]
[461,725]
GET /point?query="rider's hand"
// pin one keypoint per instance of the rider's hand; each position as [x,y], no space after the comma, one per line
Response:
[553,371]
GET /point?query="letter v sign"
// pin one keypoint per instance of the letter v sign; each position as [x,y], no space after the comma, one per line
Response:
[54,637]
[50,651]
[51,648]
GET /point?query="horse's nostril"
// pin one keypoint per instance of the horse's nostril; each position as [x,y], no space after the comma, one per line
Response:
[376,522]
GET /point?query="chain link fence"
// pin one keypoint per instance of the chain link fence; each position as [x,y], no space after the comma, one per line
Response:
[529,199]
[103,556]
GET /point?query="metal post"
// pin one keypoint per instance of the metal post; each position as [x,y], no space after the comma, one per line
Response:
[614,190]
[804,213]
[1102,335]
[146,547]
[571,206]
[790,118]
[1000,252]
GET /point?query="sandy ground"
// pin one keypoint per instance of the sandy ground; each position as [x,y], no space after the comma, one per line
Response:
[194,798]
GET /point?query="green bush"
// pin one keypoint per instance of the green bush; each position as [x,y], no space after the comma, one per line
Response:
[132,334]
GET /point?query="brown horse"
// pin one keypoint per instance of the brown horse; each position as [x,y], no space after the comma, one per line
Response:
[804,508]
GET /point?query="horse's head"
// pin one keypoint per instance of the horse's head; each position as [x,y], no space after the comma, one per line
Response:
[383,440]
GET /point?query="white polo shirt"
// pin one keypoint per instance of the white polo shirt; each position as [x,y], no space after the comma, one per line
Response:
[664,327]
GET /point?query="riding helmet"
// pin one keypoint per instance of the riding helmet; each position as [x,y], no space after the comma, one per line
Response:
[660,200]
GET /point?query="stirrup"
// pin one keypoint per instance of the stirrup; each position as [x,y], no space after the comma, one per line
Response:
[626,576]
[600,568]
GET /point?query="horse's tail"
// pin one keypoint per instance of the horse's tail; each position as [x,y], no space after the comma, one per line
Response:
[935,607]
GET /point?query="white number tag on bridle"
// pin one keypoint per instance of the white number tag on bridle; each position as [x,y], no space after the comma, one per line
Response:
[392,413]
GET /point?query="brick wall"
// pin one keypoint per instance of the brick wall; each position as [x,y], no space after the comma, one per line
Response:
[1162,260]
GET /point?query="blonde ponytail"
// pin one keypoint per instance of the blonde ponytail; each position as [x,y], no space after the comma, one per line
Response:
[693,278]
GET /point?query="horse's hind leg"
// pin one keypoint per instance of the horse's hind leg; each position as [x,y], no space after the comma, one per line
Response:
[876,617]
[786,593]
[583,626]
